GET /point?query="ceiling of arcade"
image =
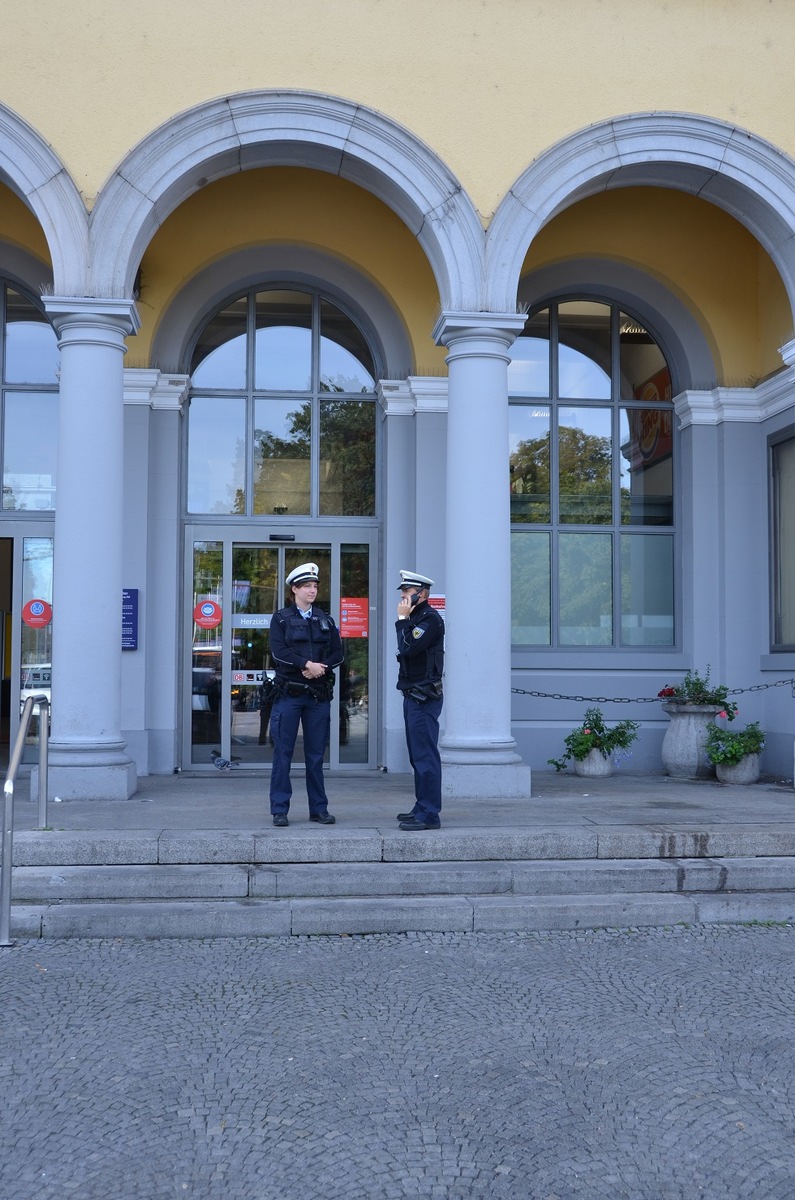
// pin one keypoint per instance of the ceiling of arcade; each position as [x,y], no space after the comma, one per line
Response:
[700,253]
[291,206]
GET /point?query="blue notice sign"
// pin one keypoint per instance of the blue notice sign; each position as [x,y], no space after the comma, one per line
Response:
[129,619]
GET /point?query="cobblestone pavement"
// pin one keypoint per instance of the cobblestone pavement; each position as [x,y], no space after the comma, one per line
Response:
[613,1064]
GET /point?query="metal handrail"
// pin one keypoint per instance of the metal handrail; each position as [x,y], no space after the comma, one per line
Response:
[8,806]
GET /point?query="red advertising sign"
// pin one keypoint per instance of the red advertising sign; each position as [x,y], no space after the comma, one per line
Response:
[37,613]
[354,616]
[207,614]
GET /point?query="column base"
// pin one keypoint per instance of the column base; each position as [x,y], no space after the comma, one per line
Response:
[85,781]
[497,780]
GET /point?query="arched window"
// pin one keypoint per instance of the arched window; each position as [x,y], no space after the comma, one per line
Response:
[592,480]
[282,411]
[29,431]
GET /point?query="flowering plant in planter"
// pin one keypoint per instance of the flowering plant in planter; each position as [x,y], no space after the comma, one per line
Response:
[730,746]
[593,734]
[697,689]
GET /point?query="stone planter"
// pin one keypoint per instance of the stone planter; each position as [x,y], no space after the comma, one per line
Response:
[744,772]
[594,764]
[684,752]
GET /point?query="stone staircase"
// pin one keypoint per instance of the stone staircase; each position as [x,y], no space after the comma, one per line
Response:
[221,883]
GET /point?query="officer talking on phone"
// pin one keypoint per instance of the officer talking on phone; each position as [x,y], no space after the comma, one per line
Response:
[420,655]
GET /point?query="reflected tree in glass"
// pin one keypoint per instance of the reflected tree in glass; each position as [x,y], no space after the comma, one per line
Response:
[347,458]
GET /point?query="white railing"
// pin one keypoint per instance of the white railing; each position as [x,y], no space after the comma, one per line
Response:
[6,858]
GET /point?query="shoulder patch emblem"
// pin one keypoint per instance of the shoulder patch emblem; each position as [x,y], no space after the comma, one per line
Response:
[417,631]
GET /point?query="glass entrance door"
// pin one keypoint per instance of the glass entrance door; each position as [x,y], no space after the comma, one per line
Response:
[235,586]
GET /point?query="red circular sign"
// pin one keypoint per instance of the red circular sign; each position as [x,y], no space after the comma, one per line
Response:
[37,613]
[207,614]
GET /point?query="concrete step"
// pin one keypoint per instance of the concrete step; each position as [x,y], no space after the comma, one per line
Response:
[240,881]
[299,844]
[446,914]
[251,900]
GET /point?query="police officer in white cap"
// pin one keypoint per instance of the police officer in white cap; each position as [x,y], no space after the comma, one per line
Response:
[420,655]
[305,648]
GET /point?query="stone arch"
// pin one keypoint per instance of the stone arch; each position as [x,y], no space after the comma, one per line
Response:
[30,168]
[287,128]
[739,172]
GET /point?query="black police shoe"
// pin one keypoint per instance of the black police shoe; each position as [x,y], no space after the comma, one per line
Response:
[280,819]
[409,816]
[417,826]
[324,818]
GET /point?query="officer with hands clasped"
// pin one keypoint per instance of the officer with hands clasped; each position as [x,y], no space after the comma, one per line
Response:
[305,647]
[420,655]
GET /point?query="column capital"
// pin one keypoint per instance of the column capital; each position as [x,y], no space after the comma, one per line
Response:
[69,311]
[504,328]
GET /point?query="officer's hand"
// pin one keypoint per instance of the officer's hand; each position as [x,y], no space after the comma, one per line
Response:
[314,670]
[404,607]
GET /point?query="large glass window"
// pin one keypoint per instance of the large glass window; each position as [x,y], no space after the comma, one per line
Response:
[783,463]
[29,425]
[282,414]
[591,457]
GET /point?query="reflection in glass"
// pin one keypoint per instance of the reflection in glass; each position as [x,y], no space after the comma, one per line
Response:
[644,372]
[347,458]
[283,342]
[530,589]
[282,453]
[219,360]
[783,456]
[36,641]
[255,597]
[353,675]
[30,437]
[346,364]
[647,590]
[31,350]
[206,701]
[585,466]
[584,362]
[646,439]
[528,370]
[586,589]
[528,442]
[216,454]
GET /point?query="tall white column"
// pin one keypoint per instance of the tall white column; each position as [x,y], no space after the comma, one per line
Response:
[88,758]
[479,754]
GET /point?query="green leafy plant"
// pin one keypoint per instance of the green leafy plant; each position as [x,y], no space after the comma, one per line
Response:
[698,689]
[731,746]
[593,734]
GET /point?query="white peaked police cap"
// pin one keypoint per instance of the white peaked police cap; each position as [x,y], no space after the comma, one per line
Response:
[414,579]
[306,573]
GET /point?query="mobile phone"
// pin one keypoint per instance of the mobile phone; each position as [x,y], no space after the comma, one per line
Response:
[415,599]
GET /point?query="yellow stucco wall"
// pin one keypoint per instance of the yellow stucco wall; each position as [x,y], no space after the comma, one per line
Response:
[707,258]
[487,84]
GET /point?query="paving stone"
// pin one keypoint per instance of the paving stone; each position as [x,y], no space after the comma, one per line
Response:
[620,1064]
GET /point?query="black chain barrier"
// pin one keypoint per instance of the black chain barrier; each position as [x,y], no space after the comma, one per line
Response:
[757,687]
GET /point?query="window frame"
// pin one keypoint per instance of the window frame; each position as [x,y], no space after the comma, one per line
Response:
[620,652]
[315,394]
[774,442]
[8,283]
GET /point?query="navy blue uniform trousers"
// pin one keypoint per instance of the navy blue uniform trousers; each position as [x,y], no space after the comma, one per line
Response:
[314,716]
[422,739]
